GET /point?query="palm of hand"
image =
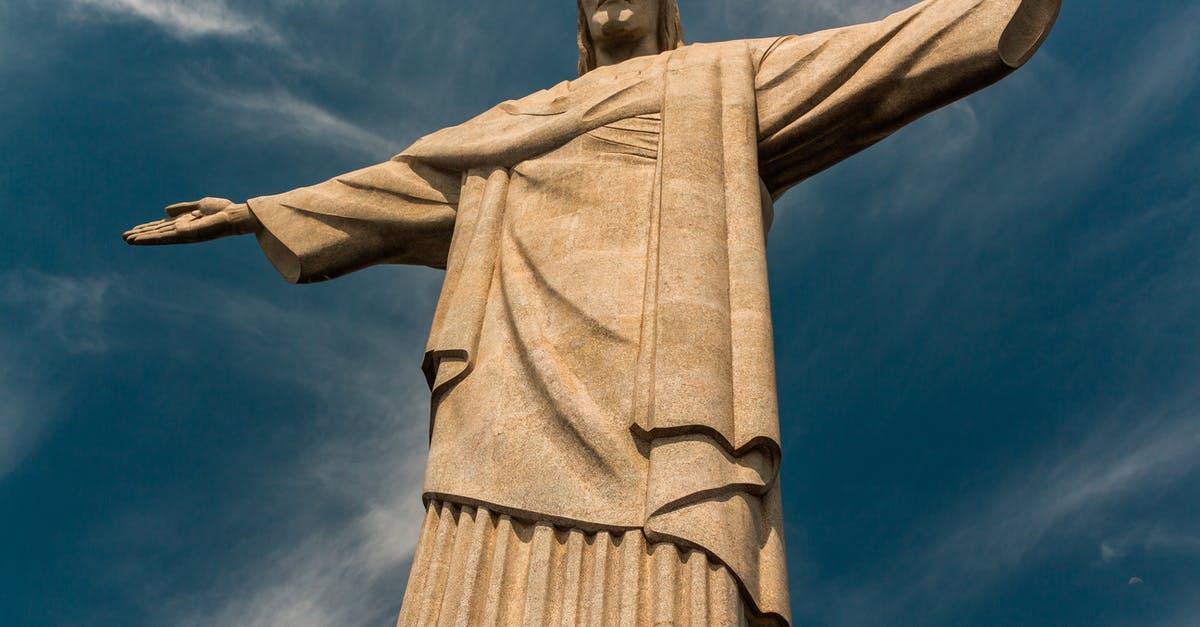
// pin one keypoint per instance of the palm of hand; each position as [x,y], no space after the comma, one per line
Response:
[186,222]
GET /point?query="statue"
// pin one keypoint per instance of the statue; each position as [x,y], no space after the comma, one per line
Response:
[604,441]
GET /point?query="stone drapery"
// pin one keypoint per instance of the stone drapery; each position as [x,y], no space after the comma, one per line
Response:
[741,122]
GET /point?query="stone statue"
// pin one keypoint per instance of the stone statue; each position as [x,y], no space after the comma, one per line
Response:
[605,437]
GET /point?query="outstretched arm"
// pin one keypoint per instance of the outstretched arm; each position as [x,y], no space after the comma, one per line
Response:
[826,96]
[400,211]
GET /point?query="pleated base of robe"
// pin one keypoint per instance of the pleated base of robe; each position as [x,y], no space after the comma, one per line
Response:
[741,122]
[476,567]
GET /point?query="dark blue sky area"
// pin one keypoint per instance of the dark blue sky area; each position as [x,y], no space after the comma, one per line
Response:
[988,327]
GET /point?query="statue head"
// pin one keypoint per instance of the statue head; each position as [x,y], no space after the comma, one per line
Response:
[626,19]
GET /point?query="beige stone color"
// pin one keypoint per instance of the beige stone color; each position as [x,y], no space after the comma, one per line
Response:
[601,357]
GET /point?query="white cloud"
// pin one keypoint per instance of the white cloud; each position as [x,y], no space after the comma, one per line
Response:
[49,316]
[1110,114]
[842,11]
[25,411]
[320,575]
[1150,539]
[279,114]
[71,310]
[375,459]
[364,450]
[1188,617]
[1040,508]
[1053,134]
[766,18]
[184,19]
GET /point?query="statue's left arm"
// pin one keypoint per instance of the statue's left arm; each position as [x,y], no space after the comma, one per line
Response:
[826,96]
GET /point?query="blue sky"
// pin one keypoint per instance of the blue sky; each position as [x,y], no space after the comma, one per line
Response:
[988,327]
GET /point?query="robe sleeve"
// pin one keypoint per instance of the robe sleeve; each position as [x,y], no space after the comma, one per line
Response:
[401,211]
[826,96]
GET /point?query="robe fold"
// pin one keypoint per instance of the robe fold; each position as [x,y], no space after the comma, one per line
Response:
[601,355]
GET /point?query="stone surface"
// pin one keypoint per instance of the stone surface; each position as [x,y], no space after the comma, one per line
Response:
[601,356]
[476,567]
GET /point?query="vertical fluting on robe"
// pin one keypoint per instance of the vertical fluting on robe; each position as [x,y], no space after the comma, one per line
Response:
[477,568]
[705,397]
[820,98]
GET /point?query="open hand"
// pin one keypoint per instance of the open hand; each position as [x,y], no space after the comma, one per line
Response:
[197,221]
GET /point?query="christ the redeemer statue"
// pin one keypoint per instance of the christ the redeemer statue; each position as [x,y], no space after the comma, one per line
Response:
[605,434]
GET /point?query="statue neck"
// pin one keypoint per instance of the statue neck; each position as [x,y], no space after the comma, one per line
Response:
[613,52]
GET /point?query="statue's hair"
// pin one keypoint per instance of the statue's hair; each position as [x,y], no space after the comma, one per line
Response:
[670,33]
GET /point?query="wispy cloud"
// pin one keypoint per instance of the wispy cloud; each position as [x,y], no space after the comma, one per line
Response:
[1155,538]
[766,18]
[44,317]
[278,114]
[184,19]
[363,457]
[1072,128]
[362,454]
[26,410]
[1058,495]
[1112,465]
[1187,617]
[327,574]
[1040,509]
[69,310]
[965,189]
[847,11]
[1134,98]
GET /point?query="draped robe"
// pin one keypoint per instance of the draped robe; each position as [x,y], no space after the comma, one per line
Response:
[601,354]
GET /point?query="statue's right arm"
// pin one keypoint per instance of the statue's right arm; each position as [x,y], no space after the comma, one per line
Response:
[401,211]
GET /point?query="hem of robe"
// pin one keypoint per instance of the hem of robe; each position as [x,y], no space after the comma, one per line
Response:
[1021,36]
[479,565]
[709,207]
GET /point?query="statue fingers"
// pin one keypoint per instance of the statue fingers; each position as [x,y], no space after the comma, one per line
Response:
[149,226]
[159,225]
[163,227]
[166,233]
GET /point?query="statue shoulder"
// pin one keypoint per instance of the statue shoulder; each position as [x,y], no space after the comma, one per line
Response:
[552,101]
[757,49]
